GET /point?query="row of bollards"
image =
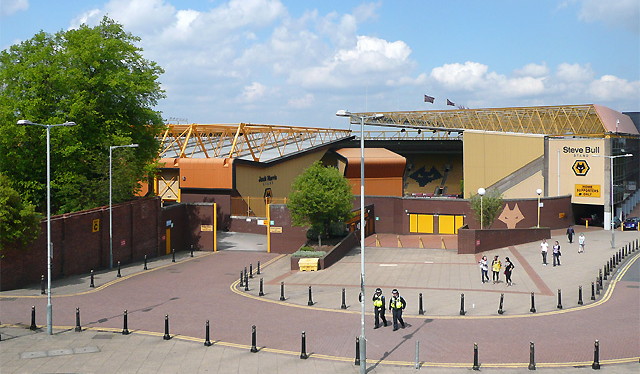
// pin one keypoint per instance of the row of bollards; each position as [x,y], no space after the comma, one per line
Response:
[303,349]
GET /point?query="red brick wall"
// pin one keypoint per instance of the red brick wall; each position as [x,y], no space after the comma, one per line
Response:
[476,241]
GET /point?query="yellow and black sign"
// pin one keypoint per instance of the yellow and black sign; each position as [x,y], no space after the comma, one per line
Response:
[206,227]
[580,168]
[95,225]
[275,229]
[588,190]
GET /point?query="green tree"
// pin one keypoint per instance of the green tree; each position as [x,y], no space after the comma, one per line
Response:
[319,197]
[96,77]
[19,222]
[491,205]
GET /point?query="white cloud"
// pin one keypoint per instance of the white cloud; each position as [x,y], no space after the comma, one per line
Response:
[609,88]
[9,7]
[533,70]
[574,72]
[302,102]
[253,92]
[625,13]
[456,76]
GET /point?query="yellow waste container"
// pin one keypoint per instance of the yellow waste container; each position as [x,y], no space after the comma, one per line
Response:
[308,264]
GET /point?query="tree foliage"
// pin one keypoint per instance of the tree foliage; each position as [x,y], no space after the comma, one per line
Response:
[19,222]
[320,196]
[96,77]
[491,205]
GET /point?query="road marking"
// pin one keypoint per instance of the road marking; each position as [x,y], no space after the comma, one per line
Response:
[388,265]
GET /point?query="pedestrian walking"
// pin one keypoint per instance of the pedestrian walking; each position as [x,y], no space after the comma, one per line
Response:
[378,308]
[570,233]
[496,265]
[484,268]
[556,253]
[396,306]
[544,247]
[581,241]
[508,269]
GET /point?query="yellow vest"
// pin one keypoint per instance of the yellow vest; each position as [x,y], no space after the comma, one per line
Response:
[396,303]
[377,302]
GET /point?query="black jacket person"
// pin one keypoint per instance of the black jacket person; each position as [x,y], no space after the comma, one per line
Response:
[378,307]
[396,306]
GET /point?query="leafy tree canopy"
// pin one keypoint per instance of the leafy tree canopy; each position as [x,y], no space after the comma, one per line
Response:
[491,205]
[320,196]
[19,222]
[97,78]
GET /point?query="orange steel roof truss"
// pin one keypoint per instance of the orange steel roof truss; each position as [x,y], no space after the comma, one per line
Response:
[547,120]
[238,140]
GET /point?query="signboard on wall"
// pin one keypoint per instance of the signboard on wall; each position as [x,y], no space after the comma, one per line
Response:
[587,190]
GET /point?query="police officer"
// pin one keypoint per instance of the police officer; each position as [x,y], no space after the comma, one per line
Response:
[378,308]
[396,306]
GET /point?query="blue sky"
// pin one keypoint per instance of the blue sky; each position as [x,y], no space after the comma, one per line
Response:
[297,62]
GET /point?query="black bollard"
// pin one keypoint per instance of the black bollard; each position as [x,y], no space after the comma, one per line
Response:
[476,364]
[119,275]
[532,360]
[254,349]
[78,328]
[500,311]
[250,270]
[125,327]
[533,303]
[593,291]
[462,311]
[246,282]
[303,350]
[191,250]
[596,356]
[245,272]
[310,302]
[599,275]
[261,293]
[173,255]
[145,263]
[420,308]
[207,342]
[33,326]
[606,270]
[598,287]
[357,361]
[42,290]
[580,295]
[600,281]
[166,328]
[344,300]
[241,279]
[92,284]
[559,306]
[258,271]
[282,291]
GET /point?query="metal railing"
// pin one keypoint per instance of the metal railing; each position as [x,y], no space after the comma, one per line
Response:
[253,206]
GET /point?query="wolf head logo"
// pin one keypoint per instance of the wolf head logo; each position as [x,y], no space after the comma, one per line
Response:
[511,217]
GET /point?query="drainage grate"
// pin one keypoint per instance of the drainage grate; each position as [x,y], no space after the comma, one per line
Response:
[103,336]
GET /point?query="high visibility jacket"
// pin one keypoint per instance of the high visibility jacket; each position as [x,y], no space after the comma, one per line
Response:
[496,265]
[378,301]
[397,303]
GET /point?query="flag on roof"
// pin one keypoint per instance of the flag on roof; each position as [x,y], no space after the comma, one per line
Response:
[449,102]
[429,99]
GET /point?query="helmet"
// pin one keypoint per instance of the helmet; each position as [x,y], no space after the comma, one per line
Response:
[378,289]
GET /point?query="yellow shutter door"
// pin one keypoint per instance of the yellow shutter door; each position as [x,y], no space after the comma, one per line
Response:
[413,223]
[425,223]
[459,223]
[446,224]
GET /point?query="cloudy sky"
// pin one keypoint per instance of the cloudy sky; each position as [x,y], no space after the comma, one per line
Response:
[297,62]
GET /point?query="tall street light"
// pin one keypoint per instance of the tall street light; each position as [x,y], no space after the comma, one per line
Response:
[111,148]
[481,192]
[539,192]
[363,349]
[49,249]
[612,211]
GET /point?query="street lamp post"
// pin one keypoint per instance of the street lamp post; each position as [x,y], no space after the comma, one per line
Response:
[49,249]
[111,148]
[363,349]
[539,191]
[612,212]
[481,192]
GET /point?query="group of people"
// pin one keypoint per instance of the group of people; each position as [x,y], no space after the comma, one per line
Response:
[396,306]
[496,266]
[544,247]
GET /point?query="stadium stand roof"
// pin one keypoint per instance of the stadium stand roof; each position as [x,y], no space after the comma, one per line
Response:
[577,120]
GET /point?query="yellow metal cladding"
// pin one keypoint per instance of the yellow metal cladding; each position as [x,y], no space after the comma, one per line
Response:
[238,140]
[547,120]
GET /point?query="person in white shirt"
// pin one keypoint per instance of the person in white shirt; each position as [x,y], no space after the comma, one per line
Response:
[544,247]
[581,240]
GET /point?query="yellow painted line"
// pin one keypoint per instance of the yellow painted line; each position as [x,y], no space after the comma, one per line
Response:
[350,359]
[605,297]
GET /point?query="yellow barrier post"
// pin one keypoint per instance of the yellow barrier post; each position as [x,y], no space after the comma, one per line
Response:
[268,228]
[377,241]
[586,223]
[399,242]
[444,246]
[421,244]
[215,227]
